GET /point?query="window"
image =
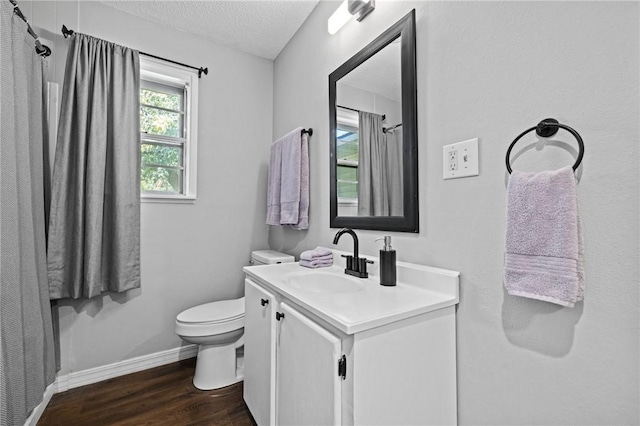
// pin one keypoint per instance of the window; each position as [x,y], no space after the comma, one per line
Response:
[347,157]
[347,151]
[168,123]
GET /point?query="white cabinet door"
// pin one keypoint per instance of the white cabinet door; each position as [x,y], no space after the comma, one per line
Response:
[259,353]
[308,385]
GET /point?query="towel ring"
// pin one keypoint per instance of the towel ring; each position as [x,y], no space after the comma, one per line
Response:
[545,129]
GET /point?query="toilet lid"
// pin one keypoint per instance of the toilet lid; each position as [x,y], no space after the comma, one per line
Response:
[222,311]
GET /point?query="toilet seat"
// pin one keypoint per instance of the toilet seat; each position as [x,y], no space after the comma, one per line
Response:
[214,312]
[211,318]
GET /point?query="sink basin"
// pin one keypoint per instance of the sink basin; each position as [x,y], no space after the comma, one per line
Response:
[325,282]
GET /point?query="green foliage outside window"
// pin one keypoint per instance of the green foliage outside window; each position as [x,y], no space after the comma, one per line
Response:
[155,178]
[160,179]
[347,151]
[347,182]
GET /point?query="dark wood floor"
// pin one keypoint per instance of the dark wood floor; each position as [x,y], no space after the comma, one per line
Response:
[159,396]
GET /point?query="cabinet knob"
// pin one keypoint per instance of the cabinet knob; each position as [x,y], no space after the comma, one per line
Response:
[264,302]
[279,315]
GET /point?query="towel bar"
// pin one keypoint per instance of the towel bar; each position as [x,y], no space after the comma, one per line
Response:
[545,129]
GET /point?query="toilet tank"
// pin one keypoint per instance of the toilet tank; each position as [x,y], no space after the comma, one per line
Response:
[270,257]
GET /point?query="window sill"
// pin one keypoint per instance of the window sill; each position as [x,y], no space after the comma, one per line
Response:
[168,199]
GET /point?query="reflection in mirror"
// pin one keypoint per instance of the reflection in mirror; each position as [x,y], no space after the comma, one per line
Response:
[369,137]
[374,134]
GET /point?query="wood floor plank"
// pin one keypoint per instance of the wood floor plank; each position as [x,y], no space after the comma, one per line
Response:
[160,396]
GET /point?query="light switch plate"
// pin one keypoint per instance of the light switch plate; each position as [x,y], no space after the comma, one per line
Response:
[460,159]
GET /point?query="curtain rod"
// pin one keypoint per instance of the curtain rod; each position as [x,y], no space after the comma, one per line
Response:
[41,49]
[66,32]
[385,129]
[357,110]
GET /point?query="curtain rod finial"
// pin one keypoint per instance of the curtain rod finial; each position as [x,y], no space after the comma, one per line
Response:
[201,71]
[66,32]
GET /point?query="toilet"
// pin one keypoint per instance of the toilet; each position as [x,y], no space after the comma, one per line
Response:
[218,328]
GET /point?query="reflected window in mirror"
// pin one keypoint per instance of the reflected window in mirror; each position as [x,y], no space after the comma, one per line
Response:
[347,153]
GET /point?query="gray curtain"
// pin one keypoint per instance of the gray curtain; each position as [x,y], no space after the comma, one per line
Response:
[26,339]
[395,187]
[94,227]
[373,197]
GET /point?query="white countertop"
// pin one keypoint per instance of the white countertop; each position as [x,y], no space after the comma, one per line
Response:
[420,289]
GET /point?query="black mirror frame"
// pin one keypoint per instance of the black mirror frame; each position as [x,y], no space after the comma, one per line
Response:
[406,29]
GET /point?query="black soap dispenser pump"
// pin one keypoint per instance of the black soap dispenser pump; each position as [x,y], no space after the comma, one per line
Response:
[387,263]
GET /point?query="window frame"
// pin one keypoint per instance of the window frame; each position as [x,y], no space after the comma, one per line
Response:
[164,73]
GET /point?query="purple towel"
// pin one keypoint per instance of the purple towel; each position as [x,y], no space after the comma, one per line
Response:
[543,241]
[288,184]
[318,253]
[303,211]
[316,263]
[273,187]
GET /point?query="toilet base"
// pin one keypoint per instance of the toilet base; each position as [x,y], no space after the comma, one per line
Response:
[217,366]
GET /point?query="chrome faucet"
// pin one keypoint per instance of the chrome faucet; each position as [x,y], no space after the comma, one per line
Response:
[355,266]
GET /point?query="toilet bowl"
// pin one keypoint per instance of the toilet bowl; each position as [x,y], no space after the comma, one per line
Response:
[218,328]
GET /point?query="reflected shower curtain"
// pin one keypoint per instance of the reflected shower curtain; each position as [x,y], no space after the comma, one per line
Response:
[395,187]
[94,227]
[372,158]
[26,339]
[380,189]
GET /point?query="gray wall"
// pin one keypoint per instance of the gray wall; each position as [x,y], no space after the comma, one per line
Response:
[490,70]
[370,102]
[191,254]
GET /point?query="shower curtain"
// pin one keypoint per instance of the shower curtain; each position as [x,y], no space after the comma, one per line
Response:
[26,341]
[393,145]
[380,189]
[94,225]
[372,178]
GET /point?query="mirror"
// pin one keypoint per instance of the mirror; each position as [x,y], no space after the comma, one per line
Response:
[373,123]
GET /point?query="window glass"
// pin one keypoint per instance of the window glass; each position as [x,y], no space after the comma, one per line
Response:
[161,179]
[347,150]
[157,154]
[161,109]
[157,98]
[159,122]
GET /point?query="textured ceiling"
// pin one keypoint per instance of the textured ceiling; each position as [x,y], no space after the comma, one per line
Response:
[262,28]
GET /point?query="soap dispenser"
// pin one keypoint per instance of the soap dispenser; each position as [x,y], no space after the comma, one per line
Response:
[387,263]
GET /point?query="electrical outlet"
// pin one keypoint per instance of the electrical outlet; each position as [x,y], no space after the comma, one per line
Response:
[460,159]
[453,160]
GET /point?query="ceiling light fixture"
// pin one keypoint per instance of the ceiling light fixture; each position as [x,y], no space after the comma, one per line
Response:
[361,8]
[339,18]
[348,8]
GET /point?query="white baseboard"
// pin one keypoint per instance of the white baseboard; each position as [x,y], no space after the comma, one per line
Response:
[93,375]
[35,415]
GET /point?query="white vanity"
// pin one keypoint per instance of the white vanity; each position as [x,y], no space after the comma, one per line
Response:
[323,348]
